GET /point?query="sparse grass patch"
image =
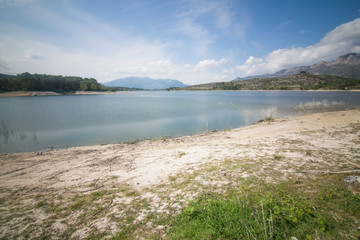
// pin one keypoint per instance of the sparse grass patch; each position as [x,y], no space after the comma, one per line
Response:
[77,205]
[180,154]
[132,142]
[267,119]
[40,204]
[131,194]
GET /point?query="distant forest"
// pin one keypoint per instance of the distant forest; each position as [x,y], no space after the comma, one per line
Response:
[43,82]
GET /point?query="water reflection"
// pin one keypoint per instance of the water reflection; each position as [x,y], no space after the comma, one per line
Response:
[8,135]
[320,105]
[4,131]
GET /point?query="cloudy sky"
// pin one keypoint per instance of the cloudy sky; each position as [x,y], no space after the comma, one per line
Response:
[194,41]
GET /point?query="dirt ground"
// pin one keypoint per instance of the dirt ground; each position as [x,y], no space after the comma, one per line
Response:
[39,191]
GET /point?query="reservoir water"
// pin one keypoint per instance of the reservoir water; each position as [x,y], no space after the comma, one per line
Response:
[39,123]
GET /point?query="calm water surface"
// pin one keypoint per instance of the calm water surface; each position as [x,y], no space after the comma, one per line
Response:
[38,123]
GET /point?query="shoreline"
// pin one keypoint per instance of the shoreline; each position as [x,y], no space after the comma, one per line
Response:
[67,193]
[267,128]
[50,93]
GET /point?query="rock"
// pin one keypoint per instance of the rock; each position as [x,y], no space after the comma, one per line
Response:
[294,238]
[352,179]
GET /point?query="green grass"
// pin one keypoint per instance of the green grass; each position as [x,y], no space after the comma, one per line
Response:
[306,211]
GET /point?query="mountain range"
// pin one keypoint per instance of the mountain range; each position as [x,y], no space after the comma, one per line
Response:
[144,83]
[299,81]
[347,66]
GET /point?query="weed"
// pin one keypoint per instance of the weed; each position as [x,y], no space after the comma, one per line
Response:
[267,119]
[131,142]
[180,154]
[40,204]
[172,178]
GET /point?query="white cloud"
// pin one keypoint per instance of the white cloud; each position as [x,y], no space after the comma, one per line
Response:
[209,63]
[343,39]
[91,47]
[283,25]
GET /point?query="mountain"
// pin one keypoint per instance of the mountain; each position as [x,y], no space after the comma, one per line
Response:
[299,81]
[347,66]
[144,83]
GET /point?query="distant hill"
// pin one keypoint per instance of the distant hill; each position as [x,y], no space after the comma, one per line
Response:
[347,66]
[300,81]
[144,83]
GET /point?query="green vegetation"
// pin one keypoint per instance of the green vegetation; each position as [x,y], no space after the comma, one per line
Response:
[277,211]
[43,82]
[300,81]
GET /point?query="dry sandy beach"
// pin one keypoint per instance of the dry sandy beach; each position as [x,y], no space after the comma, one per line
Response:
[44,194]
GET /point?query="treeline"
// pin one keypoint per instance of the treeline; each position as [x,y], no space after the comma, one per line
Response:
[43,82]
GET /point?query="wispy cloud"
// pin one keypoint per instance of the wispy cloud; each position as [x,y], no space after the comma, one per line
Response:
[198,19]
[200,37]
[283,25]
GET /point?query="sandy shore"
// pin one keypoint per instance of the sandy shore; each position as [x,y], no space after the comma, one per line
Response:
[48,93]
[319,142]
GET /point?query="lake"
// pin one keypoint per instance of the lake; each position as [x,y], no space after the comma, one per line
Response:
[39,123]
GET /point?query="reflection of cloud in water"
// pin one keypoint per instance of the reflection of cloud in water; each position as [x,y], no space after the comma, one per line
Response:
[225,103]
[247,116]
[320,105]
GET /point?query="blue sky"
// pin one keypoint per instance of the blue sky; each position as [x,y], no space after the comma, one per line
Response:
[192,41]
